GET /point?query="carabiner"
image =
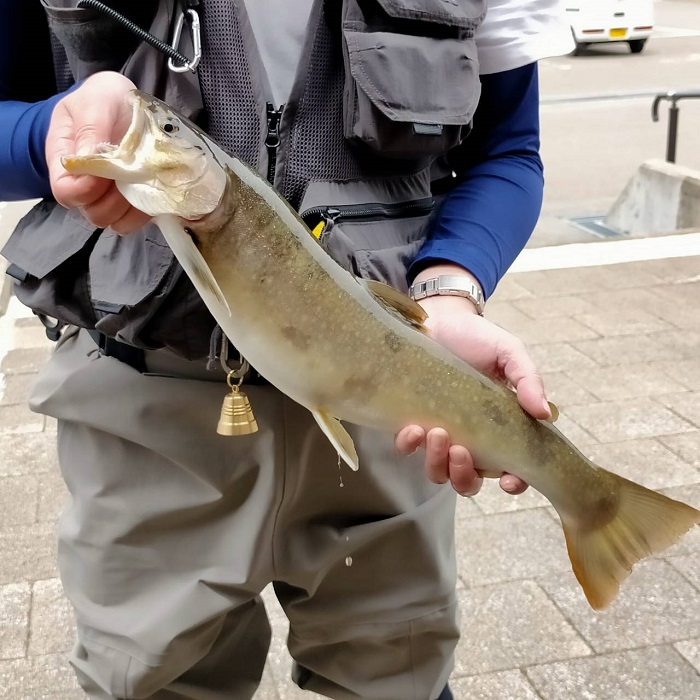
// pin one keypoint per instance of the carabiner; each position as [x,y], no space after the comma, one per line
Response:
[196,42]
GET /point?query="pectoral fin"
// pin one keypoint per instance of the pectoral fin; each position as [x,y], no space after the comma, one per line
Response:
[195,266]
[397,303]
[339,437]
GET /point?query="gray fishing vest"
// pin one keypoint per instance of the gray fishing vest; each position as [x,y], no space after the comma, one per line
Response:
[384,95]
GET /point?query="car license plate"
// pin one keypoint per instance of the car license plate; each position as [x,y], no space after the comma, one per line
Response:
[618,33]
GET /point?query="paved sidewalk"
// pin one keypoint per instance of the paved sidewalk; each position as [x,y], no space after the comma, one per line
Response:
[620,350]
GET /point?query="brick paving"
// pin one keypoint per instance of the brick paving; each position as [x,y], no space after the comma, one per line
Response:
[619,347]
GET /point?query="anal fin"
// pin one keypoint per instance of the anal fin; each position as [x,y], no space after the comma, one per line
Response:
[339,438]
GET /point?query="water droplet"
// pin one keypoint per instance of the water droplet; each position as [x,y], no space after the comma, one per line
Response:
[347,538]
[348,561]
[339,468]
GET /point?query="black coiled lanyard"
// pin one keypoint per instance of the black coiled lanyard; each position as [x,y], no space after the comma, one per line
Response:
[177,62]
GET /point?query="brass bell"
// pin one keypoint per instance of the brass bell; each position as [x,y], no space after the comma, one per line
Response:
[236,414]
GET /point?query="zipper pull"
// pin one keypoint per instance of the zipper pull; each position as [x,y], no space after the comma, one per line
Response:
[272,139]
[328,220]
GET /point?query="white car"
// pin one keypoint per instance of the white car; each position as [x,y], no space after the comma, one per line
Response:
[598,21]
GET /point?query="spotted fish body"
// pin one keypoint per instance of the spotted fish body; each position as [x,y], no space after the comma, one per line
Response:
[354,351]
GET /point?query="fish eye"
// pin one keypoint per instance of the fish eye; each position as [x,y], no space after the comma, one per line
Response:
[170,128]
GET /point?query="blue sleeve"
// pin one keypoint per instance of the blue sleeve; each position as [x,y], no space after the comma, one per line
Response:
[488,218]
[23,128]
[27,85]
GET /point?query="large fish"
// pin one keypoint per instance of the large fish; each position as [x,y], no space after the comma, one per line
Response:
[351,350]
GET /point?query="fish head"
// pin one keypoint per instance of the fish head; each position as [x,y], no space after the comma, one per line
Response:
[163,165]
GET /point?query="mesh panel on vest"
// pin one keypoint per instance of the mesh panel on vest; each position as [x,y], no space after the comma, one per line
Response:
[64,77]
[317,148]
[233,112]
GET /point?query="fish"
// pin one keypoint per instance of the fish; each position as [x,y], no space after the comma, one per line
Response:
[355,350]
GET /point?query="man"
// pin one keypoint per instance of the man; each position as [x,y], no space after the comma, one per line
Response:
[173,531]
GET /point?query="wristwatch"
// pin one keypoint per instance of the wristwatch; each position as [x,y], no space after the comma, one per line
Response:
[449,285]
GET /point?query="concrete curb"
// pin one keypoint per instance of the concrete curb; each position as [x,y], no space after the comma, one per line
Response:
[660,197]
[5,287]
[10,214]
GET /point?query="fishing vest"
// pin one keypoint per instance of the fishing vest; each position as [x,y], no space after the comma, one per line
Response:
[382,102]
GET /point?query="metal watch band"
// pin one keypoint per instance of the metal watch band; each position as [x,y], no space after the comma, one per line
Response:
[449,285]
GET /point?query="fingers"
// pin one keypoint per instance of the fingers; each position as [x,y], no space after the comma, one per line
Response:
[437,448]
[111,210]
[409,439]
[99,111]
[77,128]
[443,461]
[68,190]
[131,221]
[464,478]
[512,484]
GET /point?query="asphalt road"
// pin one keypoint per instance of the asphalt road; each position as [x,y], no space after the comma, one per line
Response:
[596,114]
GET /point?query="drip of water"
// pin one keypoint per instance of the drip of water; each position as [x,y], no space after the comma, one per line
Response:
[348,561]
[340,472]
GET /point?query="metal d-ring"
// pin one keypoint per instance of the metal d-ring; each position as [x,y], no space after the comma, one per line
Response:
[232,373]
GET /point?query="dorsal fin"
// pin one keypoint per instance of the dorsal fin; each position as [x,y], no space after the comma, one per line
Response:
[397,303]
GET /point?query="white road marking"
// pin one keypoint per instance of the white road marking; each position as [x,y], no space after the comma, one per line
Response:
[607,252]
[688,58]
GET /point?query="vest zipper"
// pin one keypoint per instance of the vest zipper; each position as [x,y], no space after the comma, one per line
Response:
[272,140]
[331,215]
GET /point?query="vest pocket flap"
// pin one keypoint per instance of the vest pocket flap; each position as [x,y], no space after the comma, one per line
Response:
[126,270]
[456,13]
[46,237]
[415,79]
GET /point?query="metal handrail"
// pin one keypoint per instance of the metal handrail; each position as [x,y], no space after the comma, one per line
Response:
[673,97]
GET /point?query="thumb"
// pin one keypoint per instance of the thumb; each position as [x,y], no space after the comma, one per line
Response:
[531,396]
[521,372]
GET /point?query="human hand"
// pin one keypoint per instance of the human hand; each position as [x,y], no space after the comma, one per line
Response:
[455,324]
[99,111]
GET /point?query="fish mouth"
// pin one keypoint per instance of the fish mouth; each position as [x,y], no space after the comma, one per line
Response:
[162,165]
[131,139]
[115,162]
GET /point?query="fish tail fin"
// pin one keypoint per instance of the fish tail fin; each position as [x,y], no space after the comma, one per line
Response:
[645,523]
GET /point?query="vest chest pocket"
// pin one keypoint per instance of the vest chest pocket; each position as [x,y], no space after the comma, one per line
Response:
[411,74]
[374,229]
[67,269]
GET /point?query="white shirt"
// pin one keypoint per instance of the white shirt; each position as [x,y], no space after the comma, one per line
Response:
[279,27]
[513,34]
